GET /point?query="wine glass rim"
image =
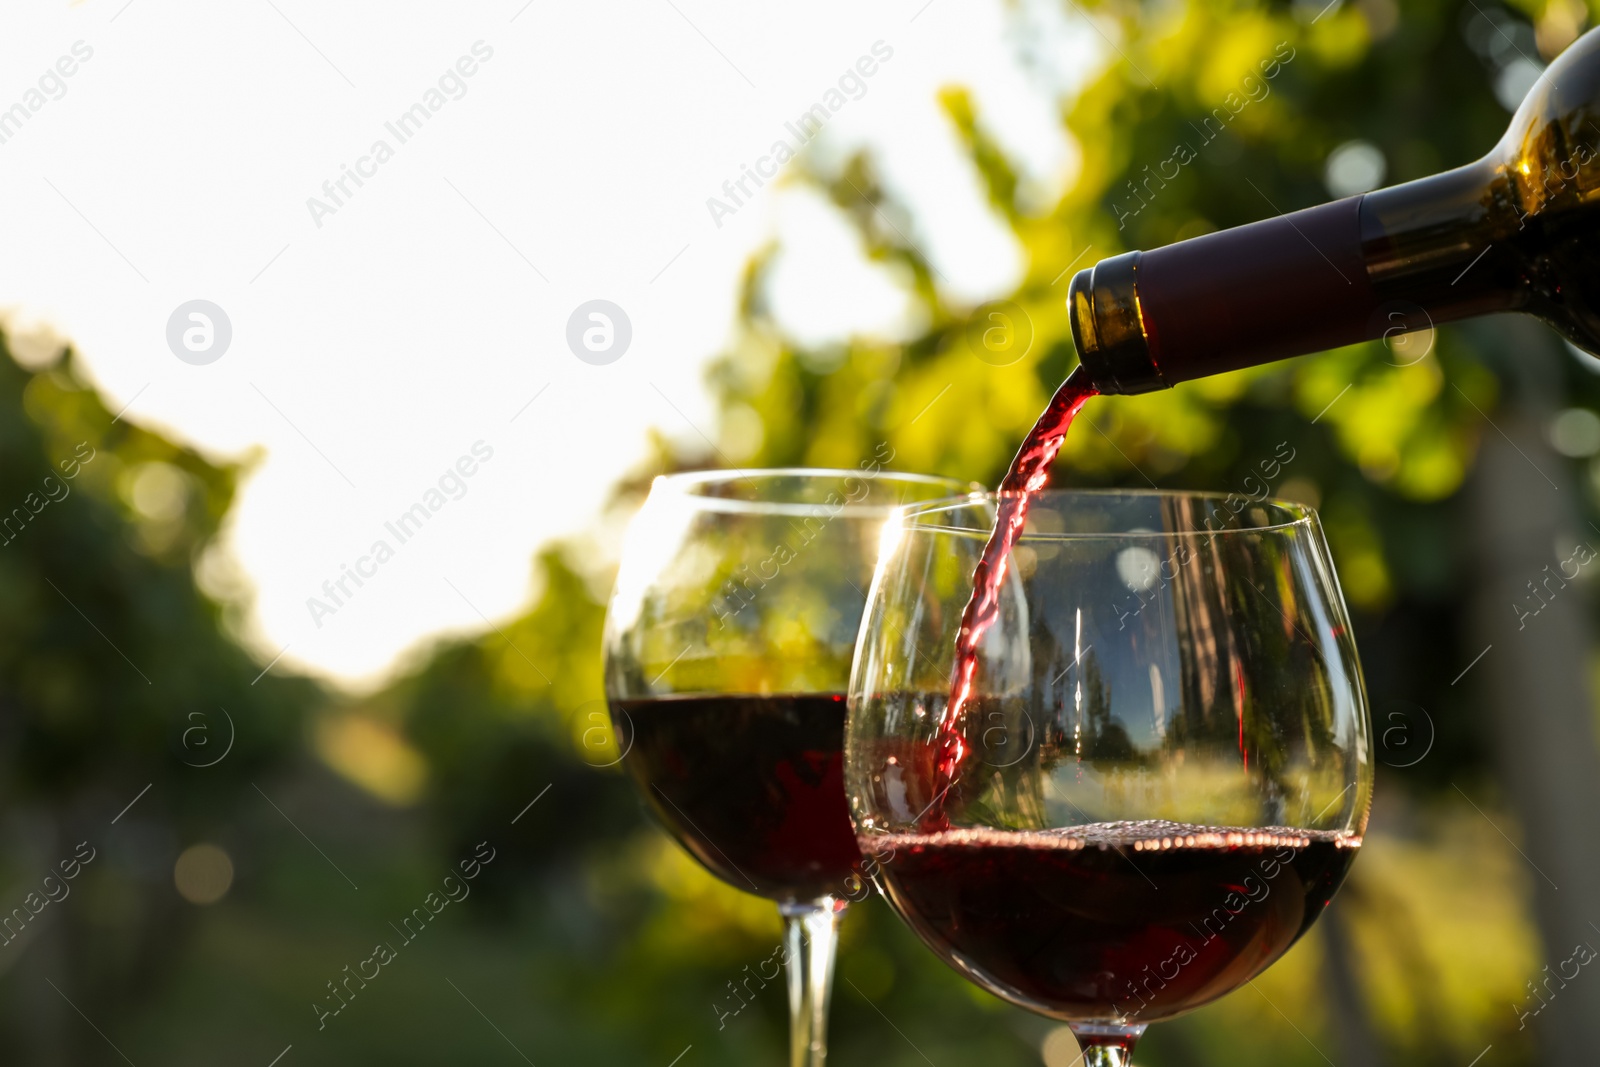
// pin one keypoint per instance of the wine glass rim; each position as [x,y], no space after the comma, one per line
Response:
[689,485]
[1296,514]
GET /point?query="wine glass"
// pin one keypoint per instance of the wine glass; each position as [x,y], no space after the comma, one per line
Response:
[728,645]
[1165,765]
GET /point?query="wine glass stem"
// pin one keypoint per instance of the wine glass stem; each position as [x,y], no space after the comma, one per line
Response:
[1107,1046]
[811,931]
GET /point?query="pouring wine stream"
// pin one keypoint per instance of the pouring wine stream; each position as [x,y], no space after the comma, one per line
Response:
[1029,472]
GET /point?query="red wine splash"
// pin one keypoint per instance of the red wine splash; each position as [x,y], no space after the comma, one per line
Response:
[1029,472]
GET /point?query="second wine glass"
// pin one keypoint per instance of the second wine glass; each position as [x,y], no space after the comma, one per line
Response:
[728,646]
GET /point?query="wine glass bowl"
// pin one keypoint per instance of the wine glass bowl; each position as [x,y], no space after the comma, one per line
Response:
[1164,763]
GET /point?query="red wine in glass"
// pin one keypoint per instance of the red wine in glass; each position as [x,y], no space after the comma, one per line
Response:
[752,786]
[1029,472]
[1133,921]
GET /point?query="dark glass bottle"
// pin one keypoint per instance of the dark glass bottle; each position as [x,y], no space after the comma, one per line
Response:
[1518,230]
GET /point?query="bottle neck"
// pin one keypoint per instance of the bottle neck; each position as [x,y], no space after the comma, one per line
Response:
[1447,245]
[1399,259]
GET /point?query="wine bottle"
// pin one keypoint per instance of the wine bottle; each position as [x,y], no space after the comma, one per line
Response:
[1519,230]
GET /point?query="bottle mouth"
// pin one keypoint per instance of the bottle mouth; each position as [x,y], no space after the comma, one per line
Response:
[1109,328]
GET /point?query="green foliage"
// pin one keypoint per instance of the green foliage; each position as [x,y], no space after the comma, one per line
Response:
[117,673]
[109,643]
[593,939]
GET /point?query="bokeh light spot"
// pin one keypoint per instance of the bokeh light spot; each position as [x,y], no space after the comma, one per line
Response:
[203,874]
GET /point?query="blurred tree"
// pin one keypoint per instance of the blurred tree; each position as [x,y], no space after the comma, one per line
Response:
[623,951]
[119,682]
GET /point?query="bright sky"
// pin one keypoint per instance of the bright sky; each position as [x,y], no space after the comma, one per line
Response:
[422,316]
